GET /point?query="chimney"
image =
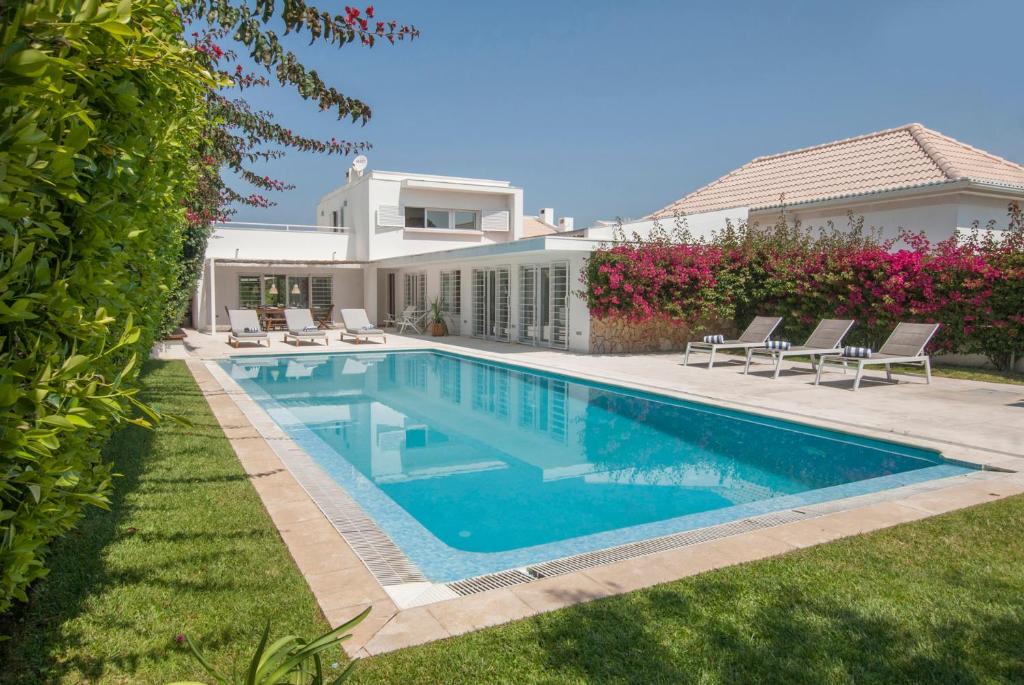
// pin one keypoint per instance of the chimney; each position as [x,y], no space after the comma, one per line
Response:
[565,224]
[547,215]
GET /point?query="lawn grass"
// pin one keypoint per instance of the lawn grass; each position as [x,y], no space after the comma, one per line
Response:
[937,601]
[186,547]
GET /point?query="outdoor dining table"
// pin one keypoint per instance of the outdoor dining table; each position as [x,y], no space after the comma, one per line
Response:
[272,318]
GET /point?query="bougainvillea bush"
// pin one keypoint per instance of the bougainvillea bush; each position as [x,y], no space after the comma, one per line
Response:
[973,285]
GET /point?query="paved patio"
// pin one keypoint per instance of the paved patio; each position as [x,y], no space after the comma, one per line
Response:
[981,423]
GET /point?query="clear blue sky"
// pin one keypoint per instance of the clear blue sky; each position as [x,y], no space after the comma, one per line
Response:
[605,109]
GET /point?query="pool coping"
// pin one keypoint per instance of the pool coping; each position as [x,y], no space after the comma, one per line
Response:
[410,610]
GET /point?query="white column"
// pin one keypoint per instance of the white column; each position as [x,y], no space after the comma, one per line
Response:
[370,292]
[213,298]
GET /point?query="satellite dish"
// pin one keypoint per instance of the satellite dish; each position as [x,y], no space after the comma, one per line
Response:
[360,162]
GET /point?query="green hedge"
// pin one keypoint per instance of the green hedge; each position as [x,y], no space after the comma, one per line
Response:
[101,109]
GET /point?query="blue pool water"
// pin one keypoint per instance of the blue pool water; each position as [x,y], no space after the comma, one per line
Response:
[473,467]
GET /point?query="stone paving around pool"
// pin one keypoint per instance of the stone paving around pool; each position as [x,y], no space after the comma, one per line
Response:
[970,421]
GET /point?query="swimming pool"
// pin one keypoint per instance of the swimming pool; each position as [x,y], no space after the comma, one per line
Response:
[473,467]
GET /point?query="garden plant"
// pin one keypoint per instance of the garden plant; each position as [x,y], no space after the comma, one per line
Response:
[971,284]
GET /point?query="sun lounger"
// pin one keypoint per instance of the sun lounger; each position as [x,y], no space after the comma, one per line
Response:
[302,327]
[756,334]
[357,325]
[905,346]
[245,327]
[826,338]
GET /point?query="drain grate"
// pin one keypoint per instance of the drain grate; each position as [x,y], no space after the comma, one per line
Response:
[491,581]
[388,564]
[685,539]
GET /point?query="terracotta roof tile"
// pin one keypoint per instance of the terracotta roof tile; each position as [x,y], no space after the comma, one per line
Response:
[902,157]
[533,227]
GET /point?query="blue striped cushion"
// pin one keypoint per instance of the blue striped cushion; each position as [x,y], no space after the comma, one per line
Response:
[310,329]
[714,339]
[778,345]
[861,352]
[250,329]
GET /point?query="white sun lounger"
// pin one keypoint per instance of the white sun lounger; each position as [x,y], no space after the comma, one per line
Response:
[357,325]
[827,338]
[242,319]
[756,334]
[905,346]
[302,327]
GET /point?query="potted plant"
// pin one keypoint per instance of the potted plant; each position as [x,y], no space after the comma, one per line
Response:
[436,318]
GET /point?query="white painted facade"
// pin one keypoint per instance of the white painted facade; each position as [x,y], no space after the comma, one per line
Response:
[940,213]
[374,206]
[541,252]
[383,234]
[699,225]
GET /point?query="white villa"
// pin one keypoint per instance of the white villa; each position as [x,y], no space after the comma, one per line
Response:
[385,241]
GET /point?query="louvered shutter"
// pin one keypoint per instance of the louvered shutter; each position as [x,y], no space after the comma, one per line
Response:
[390,216]
[494,220]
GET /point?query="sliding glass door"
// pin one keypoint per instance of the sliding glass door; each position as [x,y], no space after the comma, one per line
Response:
[544,304]
[491,289]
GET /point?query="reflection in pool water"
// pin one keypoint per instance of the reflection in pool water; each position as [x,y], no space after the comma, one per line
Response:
[490,458]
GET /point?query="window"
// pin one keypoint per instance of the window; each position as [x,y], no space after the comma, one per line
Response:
[274,291]
[462,219]
[248,292]
[298,291]
[334,218]
[322,291]
[466,219]
[286,291]
[451,292]
[416,291]
[415,217]
[438,218]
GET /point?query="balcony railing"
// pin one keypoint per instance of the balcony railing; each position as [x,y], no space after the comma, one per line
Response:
[298,228]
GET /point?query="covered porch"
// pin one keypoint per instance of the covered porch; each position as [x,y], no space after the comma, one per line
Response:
[271,286]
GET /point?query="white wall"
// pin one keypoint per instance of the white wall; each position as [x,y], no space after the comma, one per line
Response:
[578,330]
[347,282]
[397,242]
[700,225]
[938,216]
[983,210]
[374,189]
[263,244]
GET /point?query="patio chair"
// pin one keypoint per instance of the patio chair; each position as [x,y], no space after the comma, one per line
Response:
[826,338]
[302,327]
[245,327]
[323,315]
[356,324]
[410,318]
[756,335]
[905,346]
